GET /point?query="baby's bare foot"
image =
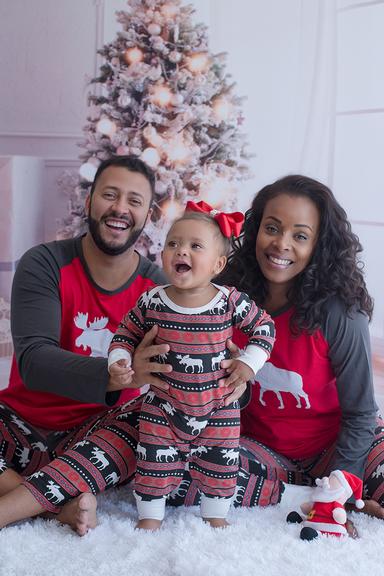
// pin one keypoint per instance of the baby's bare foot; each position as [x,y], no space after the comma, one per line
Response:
[148,524]
[217,522]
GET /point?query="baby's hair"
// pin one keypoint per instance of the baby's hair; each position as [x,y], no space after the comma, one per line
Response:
[205,217]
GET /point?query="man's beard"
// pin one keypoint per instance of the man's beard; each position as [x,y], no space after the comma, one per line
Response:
[107,248]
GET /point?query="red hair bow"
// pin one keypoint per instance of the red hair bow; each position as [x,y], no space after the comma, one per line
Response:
[230,224]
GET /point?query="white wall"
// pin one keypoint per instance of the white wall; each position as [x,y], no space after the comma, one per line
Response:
[358,171]
[310,70]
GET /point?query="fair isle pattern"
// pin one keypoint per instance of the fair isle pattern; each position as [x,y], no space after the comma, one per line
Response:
[168,445]
[259,479]
[197,339]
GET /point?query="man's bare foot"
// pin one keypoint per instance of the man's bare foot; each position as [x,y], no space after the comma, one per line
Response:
[80,513]
[148,524]
[217,522]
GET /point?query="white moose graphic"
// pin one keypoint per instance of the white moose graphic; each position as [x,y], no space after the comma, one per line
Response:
[219,307]
[23,456]
[53,493]
[242,308]
[81,443]
[379,471]
[168,408]
[279,380]
[39,446]
[162,358]
[197,452]
[181,490]
[20,424]
[196,425]
[141,452]
[149,397]
[238,495]
[37,474]
[95,335]
[166,453]
[262,330]
[112,478]
[230,455]
[216,361]
[99,457]
[156,303]
[144,300]
[192,363]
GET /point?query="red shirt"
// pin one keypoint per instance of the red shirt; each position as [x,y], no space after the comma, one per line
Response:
[294,409]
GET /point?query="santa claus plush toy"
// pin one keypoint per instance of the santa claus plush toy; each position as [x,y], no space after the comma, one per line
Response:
[326,513]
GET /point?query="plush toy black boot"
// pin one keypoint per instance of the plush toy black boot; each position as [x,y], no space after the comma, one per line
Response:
[294,518]
[308,533]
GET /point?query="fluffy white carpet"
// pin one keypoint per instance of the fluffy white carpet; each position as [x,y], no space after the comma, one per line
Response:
[257,542]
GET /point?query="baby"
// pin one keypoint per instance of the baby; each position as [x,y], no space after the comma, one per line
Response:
[191,423]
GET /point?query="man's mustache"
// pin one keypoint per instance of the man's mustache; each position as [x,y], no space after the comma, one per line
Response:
[124,217]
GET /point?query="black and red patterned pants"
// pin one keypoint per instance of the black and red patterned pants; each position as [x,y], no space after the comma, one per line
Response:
[102,453]
[169,439]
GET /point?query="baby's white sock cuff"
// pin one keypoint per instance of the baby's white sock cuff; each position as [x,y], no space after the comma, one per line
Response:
[150,509]
[214,507]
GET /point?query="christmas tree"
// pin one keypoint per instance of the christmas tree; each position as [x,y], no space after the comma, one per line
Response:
[162,96]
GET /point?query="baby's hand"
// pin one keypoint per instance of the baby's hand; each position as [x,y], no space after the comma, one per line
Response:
[120,376]
[236,382]
[239,373]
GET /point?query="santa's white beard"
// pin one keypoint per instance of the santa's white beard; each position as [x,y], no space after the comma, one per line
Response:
[328,495]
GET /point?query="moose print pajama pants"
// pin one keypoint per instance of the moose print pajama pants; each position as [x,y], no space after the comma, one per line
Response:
[170,442]
[58,466]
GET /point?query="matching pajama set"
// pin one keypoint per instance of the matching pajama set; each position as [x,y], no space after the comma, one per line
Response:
[58,426]
[189,423]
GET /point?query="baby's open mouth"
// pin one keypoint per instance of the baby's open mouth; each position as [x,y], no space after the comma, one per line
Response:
[180,268]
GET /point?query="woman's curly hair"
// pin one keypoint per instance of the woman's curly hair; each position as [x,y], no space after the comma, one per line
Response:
[334,269]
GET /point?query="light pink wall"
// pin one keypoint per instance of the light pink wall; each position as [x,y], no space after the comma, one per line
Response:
[310,72]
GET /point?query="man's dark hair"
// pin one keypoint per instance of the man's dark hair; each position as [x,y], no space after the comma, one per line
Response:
[131,163]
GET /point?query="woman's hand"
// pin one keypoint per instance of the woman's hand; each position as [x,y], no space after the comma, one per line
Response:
[237,388]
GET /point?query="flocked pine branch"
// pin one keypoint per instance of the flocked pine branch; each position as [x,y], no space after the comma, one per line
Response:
[163,96]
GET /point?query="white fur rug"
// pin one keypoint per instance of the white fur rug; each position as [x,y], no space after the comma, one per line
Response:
[258,542]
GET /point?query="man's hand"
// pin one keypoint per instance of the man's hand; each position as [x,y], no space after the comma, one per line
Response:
[237,387]
[371,507]
[120,376]
[144,369]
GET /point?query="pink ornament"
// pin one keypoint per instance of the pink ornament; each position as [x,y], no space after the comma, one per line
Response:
[122,151]
[175,56]
[154,29]
[177,99]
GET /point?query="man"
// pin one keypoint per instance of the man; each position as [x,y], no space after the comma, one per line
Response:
[68,298]
[60,441]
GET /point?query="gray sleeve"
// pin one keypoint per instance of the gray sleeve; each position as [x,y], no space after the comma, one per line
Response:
[36,326]
[350,355]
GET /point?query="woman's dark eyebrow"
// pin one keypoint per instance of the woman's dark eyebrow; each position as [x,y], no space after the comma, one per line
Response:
[296,225]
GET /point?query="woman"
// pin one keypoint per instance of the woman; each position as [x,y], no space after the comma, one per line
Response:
[312,408]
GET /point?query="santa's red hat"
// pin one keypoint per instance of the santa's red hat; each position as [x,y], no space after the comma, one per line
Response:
[351,484]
